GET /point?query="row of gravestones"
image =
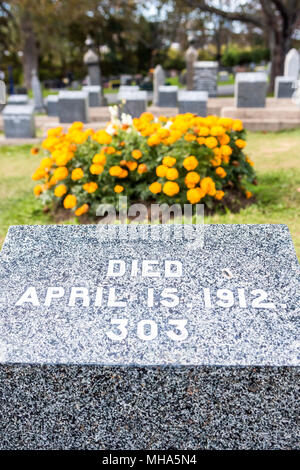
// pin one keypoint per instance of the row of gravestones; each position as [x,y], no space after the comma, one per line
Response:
[69,106]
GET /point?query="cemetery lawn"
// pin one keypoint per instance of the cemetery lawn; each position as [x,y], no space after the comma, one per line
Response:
[276,157]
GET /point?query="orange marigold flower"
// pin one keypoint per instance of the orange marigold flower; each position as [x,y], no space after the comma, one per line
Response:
[161,171]
[38,174]
[203,131]
[219,195]
[82,210]
[109,150]
[169,161]
[155,188]
[195,195]
[220,172]
[190,163]
[189,137]
[37,189]
[60,190]
[240,143]
[123,174]
[171,188]
[192,178]
[34,150]
[90,187]
[70,201]
[136,154]
[172,174]
[60,173]
[211,142]
[102,137]
[142,168]
[77,174]
[153,140]
[46,163]
[248,194]
[96,169]
[201,140]
[237,125]
[208,186]
[131,165]
[249,161]
[99,158]
[224,139]
[226,150]
[118,188]
[115,170]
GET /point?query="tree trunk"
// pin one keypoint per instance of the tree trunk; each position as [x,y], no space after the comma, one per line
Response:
[279,47]
[30,50]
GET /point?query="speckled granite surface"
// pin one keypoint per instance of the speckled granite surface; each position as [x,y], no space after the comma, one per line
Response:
[225,377]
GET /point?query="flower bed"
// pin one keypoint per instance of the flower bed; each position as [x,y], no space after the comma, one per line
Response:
[183,159]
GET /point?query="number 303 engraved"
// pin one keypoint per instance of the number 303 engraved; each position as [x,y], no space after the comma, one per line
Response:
[147,330]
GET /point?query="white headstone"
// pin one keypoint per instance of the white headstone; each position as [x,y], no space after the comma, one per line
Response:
[37,92]
[291,64]
[158,80]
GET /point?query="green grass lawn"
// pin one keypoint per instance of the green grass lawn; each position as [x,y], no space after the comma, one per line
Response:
[276,157]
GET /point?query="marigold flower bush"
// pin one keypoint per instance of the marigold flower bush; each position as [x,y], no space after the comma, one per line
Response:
[183,159]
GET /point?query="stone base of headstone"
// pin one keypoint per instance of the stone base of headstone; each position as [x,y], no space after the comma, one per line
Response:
[18,100]
[193,102]
[94,95]
[250,90]
[133,103]
[284,87]
[52,105]
[206,77]
[167,96]
[73,106]
[19,121]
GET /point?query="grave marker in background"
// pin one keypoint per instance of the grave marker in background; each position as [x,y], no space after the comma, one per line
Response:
[73,106]
[52,105]
[19,121]
[192,102]
[292,64]
[159,78]
[250,90]
[133,103]
[167,96]
[37,93]
[206,77]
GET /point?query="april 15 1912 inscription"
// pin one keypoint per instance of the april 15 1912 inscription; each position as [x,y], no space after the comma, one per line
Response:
[68,296]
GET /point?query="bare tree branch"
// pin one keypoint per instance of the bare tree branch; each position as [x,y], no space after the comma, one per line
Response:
[230,15]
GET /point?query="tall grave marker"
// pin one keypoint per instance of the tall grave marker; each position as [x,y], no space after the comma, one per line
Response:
[206,77]
[143,338]
[159,78]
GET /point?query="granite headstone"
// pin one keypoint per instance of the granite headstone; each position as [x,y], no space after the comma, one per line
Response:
[73,106]
[284,87]
[19,121]
[117,337]
[94,95]
[18,100]
[206,76]
[52,105]
[133,103]
[193,102]
[250,89]
[167,96]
